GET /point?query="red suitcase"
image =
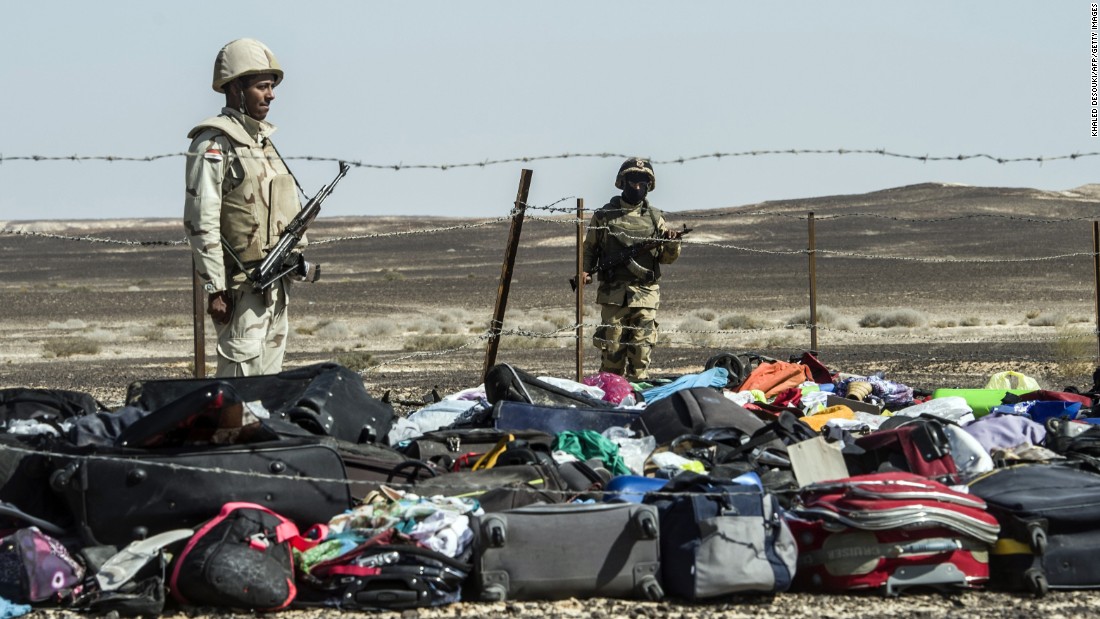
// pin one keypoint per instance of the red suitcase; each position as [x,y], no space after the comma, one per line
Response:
[890,531]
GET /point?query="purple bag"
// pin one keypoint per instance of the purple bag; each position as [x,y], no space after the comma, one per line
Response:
[35,567]
[998,431]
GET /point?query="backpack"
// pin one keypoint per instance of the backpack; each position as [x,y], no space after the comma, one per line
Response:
[35,567]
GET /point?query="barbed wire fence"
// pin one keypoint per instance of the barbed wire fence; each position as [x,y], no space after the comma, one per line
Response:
[773,337]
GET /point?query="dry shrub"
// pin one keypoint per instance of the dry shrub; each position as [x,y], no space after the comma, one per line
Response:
[72,323]
[740,321]
[705,314]
[1044,319]
[173,322]
[904,317]
[523,342]
[424,343]
[69,346]
[701,332]
[310,330]
[1074,351]
[152,334]
[378,327]
[970,321]
[356,360]
[335,330]
[826,317]
[560,321]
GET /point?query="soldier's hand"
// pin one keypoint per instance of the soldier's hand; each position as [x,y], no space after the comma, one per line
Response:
[587,278]
[220,306]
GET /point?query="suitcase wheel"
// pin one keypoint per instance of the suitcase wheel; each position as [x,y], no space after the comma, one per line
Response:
[411,469]
[1036,582]
[494,593]
[61,478]
[646,524]
[495,532]
[1038,538]
[651,589]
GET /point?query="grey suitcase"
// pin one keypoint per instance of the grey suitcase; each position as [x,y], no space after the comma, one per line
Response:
[551,552]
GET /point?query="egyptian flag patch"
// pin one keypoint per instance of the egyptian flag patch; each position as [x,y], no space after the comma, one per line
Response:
[212,154]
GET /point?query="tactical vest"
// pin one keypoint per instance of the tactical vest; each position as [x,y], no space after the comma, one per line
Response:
[259,197]
[626,228]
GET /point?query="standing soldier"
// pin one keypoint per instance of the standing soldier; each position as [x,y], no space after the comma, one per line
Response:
[629,293]
[240,196]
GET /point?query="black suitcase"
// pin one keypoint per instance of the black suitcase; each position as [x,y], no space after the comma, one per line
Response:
[47,405]
[691,411]
[118,495]
[1050,526]
[324,398]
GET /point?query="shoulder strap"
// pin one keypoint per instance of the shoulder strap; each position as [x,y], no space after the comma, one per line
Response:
[224,125]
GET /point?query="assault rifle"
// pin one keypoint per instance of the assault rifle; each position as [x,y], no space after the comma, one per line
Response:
[279,261]
[626,257]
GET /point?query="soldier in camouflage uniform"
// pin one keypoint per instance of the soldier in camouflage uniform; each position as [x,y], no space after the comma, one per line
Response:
[628,294]
[240,196]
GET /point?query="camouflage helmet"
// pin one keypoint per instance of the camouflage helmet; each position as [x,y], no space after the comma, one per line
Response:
[244,57]
[636,164]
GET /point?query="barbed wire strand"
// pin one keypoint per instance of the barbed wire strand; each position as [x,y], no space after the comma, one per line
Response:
[881,152]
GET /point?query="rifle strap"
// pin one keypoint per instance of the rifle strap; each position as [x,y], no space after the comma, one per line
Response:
[289,171]
[242,266]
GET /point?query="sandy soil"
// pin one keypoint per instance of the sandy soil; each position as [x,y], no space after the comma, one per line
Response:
[407,308]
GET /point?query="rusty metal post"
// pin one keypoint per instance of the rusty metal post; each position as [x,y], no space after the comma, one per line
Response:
[506,272]
[198,306]
[580,289]
[1096,280]
[812,253]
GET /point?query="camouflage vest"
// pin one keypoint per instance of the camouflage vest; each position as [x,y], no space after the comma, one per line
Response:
[259,196]
[626,228]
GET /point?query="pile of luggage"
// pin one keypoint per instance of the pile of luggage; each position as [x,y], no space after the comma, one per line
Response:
[754,476]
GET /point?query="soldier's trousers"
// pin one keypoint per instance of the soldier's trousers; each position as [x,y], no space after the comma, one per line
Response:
[254,339]
[625,337]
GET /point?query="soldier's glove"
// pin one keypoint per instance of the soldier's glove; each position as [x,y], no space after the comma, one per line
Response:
[220,307]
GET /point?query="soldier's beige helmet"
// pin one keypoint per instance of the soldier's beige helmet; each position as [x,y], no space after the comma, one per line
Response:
[244,57]
[636,164]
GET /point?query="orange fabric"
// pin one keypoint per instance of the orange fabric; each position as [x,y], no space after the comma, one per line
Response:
[818,420]
[776,376]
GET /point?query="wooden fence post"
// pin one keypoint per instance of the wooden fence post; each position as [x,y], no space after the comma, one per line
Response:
[1096,281]
[198,306]
[506,272]
[580,289]
[812,253]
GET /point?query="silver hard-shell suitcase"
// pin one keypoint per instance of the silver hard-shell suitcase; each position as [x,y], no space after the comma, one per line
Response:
[548,552]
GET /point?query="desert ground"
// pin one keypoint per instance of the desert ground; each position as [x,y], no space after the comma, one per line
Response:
[977,280]
[933,285]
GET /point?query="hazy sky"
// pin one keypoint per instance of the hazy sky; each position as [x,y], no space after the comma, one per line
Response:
[451,82]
